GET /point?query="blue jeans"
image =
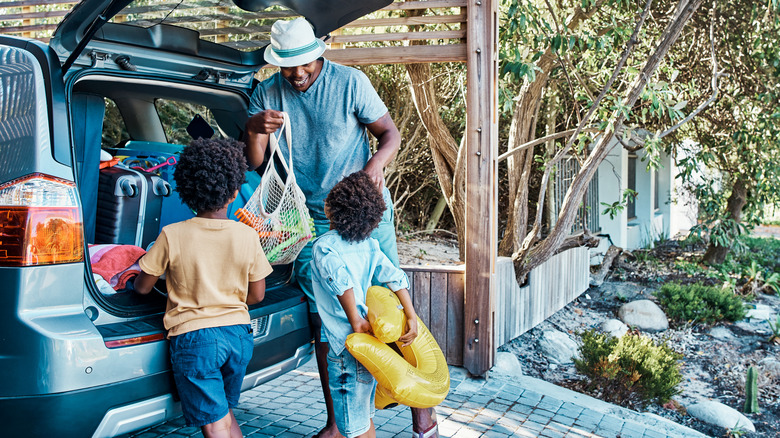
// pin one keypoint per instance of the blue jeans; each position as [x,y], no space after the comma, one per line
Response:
[353,389]
[209,367]
[384,233]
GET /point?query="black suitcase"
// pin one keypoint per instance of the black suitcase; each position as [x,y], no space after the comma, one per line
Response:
[128,206]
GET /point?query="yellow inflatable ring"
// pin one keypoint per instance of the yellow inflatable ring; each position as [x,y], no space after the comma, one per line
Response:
[420,378]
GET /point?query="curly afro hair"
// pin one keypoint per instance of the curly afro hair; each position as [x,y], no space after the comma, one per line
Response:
[209,172]
[355,207]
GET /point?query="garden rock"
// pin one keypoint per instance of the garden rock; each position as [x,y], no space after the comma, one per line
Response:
[557,347]
[614,327]
[716,413]
[756,326]
[645,315]
[761,312]
[722,333]
[771,366]
[507,364]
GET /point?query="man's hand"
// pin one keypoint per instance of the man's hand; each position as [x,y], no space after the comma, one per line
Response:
[256,136]
[376,172]
[408,337]
[265,122]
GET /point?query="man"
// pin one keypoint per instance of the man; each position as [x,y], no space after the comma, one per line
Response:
[330,108]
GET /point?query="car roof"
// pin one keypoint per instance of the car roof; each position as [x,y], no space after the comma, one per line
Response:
[232,31]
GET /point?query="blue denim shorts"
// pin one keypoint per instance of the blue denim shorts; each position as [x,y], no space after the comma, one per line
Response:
[209,367]
[352,388]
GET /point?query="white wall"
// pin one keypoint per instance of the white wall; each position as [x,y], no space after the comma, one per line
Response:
[683,207]
[612,174]
[650,223]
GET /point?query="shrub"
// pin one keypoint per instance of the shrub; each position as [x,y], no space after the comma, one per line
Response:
[700,303]
[629,368]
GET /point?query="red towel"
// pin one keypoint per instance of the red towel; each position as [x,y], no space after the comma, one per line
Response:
[118,264]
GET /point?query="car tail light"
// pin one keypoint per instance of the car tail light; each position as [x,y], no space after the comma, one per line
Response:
[40,222]
[137,340]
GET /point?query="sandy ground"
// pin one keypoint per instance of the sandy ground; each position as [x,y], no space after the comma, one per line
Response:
[428,250]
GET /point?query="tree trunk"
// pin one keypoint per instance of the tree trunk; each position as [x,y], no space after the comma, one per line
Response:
[715,253]
[450,168]
[522,130]
[438,210]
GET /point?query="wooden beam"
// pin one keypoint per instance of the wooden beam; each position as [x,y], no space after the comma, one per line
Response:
[398,55]
[429,4]
[20,3]
[408,21]
[481,192]
[33,15]
[398,36]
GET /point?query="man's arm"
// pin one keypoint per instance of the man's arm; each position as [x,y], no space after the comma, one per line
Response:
[389,140]
[256,135]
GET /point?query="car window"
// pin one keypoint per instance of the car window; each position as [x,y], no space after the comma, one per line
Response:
[114,129]
[176,116]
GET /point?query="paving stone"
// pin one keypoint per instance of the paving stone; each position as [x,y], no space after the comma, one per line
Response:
[563,419]
[611,424]
[292,406]
[467,432]
[649,433]
[537,417]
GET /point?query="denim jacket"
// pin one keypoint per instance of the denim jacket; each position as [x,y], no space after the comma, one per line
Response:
[338,265]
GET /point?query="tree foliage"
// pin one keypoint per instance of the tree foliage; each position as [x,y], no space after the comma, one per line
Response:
[738,138]
[595,70]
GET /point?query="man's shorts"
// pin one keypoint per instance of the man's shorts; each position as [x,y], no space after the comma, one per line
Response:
[352,388]
[209,367]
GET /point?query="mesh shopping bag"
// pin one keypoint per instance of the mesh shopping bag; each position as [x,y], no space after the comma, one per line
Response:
[277,209]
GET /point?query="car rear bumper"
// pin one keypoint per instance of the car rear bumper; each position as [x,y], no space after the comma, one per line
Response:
[111,410]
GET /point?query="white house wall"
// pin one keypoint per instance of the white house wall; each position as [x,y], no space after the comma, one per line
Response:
[650,223]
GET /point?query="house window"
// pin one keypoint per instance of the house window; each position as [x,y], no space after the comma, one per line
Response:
[655,190]
[631,184]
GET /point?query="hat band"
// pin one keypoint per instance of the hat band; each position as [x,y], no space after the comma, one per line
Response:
[287,53]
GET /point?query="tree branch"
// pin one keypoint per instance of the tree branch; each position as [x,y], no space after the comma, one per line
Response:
[714,83]
[542,140]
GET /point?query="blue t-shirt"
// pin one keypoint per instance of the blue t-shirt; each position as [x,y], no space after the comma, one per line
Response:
[338,265]
[328,123]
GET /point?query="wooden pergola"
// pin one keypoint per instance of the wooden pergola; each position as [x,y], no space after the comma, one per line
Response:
[453,31]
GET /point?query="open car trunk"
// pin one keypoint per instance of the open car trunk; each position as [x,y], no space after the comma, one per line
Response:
[124,206]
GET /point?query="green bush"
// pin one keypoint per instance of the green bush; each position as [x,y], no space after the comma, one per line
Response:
[630,368]
[699,303]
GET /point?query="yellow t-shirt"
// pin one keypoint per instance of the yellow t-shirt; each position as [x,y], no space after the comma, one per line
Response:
[208,265]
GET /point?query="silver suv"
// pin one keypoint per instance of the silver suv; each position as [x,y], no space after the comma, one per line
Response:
[120,88]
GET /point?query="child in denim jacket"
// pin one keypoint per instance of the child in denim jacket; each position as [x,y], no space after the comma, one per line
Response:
[345,263]
[214,268]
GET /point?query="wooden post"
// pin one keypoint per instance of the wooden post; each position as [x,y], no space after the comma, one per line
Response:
[27,21]
[221,38]
[481,187]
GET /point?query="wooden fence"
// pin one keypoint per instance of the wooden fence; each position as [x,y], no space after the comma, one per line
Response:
[403,32]
[550,287]
[438,296]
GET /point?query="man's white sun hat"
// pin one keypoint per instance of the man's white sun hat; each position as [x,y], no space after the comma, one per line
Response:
[293,44]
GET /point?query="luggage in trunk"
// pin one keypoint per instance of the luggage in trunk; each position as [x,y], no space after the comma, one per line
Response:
[129,206]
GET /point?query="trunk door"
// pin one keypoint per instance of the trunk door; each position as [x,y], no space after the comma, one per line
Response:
[231,32]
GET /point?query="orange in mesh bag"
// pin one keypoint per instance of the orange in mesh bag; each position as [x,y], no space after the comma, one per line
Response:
[277,209]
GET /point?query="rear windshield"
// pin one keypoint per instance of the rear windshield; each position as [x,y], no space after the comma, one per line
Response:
[217,21]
